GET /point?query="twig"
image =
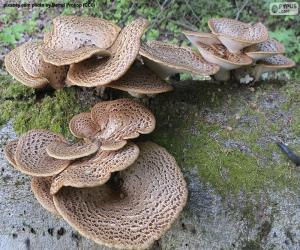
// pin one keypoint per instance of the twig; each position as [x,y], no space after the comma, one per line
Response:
[240,9]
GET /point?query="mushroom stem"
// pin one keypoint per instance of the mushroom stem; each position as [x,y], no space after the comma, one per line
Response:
[100,90]
[162,71]
[222,75]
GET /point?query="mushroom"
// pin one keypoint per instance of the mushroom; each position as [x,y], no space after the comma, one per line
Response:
[124,119]
[10,152]
[137,212]
[168,59]
[82,126]
[76,38]
[35,66]
[97,170]
[265,49]
[65,151]
[140,81]
[40,187]
[236,35]
[31,156]
[271,64]
[219,55]
[14,67]
[201,37]
[97,72]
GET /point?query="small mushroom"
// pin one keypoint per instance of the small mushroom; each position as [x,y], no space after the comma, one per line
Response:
[97,170]
[14,67]
[151,194]
[219,55]
[168,59]
[265,49]
[76,38]
[236,35]
[31,156]
[82,126]
[124,119]
[271,64]
[201,37]
[65,151]
[10,152]
[35,66]
[139,81]
[40,187]
[96,72]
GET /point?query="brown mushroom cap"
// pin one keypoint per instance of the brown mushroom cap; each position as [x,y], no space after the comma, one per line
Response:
[236,35]
[201,37]
[94,72]
[35,66]
[139,79]
[97,170]
[151,196]
[82,126]
[75,38]
[14,67]
[265,49]
[65,151]
[126,119]
[31,156]
[219,55]
[172,58]
[40,187]
[10,152]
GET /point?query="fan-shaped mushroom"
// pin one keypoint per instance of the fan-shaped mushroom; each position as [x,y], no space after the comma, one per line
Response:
[219,55]
[66,151]
[40,187]
[133,215]
[96,170]
[31,156]
[168,59]
[125,119]
[139,81]
[96,72]
[82,126]
[10,152]
[201,37]
[14,67]
[75,38]
[236,35]
[272,63]
[265,49]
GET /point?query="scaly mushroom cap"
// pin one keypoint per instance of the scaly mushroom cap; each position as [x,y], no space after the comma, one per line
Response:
[40,187]
[65,151]
[141,80]
[219,55]
[236,35]
[126,119]
[10,152]
[97,170]
[201,37]
[14,67]
[82,126]
[75,38]
[265,49]
[172,59]
[94,72]
[150,197]
[31,156]
[35,66]
[272,63]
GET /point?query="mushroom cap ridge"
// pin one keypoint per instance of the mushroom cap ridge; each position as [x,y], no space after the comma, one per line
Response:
[150,198]
[10,152]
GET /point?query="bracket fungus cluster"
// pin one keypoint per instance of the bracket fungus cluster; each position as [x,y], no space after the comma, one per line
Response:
[111,190]
[239,47]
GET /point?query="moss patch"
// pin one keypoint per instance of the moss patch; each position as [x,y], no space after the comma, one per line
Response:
[228,133]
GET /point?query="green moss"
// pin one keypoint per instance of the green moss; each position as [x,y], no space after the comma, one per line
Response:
[53,111]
